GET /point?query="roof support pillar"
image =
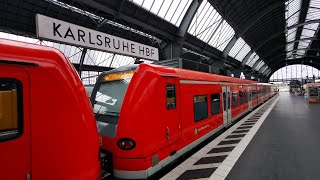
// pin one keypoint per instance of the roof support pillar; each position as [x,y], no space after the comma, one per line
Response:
[83,55]
[246,58]
[187,19]
[266,72]
[173,49]
[216,66]
[256,64]
[263,71]
[229,47]
[236,72]
[262,68]
[84,51]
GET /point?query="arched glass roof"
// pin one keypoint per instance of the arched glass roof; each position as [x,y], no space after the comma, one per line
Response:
[297,71]
[308,30]
[171,10]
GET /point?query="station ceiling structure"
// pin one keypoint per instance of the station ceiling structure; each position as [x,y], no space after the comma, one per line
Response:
[255,37]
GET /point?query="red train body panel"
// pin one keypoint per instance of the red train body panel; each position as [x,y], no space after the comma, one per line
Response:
[161,127]
[56,135]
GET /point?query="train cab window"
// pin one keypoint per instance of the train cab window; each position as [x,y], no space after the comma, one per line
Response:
[234,99]
[200,105]
[171,96]
[313,91]
[215,104]
[10,109]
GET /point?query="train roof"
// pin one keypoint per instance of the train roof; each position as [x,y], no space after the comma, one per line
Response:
[29,54]
[313,84]
[184,74]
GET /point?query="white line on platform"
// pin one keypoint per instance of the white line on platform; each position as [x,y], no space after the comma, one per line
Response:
[226,166]
[187,164]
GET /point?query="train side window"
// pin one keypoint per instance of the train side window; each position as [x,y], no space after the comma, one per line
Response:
[253,96]
[234,99]
[241,97]
[215,104]
[171,96]
[10,109]
[200,105]
[245,96]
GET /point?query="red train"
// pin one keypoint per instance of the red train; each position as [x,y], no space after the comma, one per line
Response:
[149,115]
[47,127]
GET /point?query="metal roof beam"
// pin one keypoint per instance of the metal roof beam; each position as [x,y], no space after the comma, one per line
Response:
[304,23]
[91,68]
[256,64]
[266,72]
[262,68]
[302,18]
[229,46]
[259,16]
[187,19]
[282,54]
[246,58]
[115,13]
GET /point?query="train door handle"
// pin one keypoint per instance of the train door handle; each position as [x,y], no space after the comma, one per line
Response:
[167,133]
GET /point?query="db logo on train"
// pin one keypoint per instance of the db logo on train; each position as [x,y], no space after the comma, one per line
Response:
[196,131]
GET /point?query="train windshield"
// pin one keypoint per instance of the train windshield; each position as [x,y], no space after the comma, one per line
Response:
[110,96]
[313,91]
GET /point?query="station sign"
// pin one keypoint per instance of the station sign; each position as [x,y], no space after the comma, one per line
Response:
[60,31]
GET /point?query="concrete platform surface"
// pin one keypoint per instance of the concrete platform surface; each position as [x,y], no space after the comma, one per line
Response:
[287,145]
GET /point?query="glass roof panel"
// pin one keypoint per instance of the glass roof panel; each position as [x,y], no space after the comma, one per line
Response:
[209,26]
[171,10]
[243,52]
[297,71]
[252,59]
[293,12]
[223,35]
[313,11]
[292,16]
[239,50]
[259,65]
[89,77]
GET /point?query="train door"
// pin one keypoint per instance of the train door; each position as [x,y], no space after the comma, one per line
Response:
[15,155]
[173,124]
[226,102]
[250,98]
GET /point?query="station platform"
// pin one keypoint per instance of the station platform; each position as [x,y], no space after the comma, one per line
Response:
[278,140]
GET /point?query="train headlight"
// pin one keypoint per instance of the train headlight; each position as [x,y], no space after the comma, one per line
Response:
[126,144]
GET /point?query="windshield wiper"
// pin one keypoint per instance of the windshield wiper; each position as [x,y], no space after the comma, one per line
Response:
[108,113]
[112,113]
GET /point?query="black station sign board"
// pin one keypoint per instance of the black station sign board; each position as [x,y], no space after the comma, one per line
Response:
[60,31]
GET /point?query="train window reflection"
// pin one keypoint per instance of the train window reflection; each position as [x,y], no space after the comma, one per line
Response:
[215,104]
[234,99]
[200,107]
[109,97]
